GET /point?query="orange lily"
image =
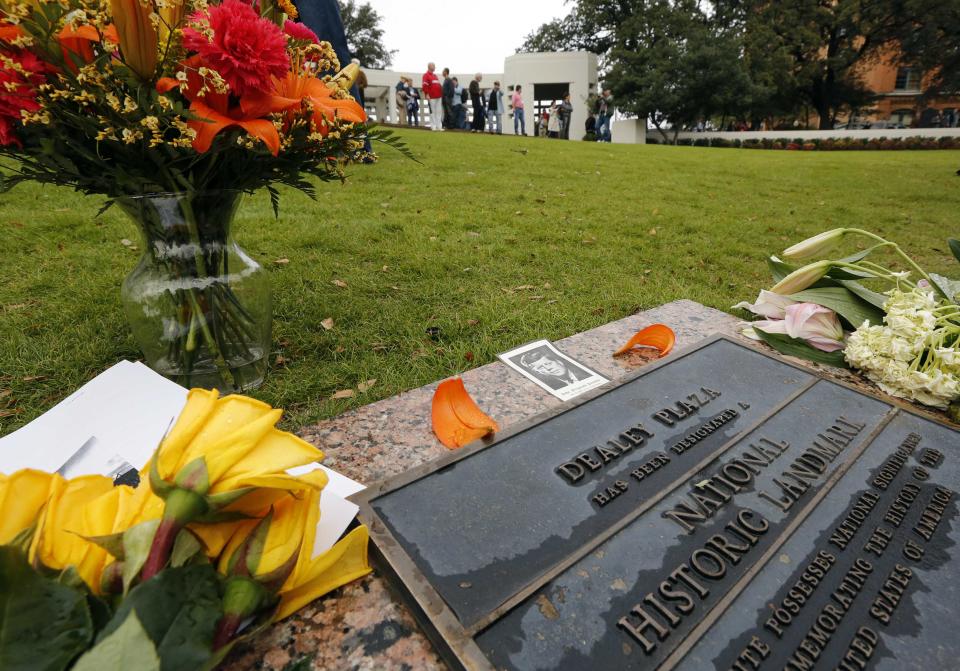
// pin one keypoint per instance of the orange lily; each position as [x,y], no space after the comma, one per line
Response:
[215,113]
[9,32]
[80,41]
[137,36]
[297,87]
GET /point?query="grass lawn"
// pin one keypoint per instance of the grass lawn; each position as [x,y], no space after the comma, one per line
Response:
[495,241]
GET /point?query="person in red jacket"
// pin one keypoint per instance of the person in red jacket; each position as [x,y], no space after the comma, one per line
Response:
[433,92]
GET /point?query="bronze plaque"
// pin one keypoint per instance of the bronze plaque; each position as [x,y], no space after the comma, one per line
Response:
[722,508]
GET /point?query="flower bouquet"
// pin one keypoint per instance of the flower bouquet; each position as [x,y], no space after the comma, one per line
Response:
[215,543]
[904,337]
[173,109]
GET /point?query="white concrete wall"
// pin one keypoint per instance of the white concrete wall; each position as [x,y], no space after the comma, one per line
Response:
[578,69]
[629,131]
[811,134]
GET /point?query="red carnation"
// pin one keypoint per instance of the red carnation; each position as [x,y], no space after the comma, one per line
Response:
[246,50]
[299,32]
[18,91]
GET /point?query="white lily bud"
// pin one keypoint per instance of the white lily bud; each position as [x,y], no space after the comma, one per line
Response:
[815,246]
[802,278]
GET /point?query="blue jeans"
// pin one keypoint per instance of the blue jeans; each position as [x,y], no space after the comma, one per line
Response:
[603,127]
[459,117]
[519,121]
[494,122]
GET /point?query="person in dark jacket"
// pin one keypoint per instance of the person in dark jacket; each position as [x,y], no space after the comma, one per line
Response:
[449,88]
[323,18]
[479,114]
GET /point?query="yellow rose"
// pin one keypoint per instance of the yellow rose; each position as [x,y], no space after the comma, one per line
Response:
[273,558]
[236,437]
[224,455]
[22,497]
[111,513]
[57,543]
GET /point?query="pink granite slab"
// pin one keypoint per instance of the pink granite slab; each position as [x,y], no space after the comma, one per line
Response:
[362,626]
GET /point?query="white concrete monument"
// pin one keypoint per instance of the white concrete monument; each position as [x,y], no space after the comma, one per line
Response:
[543,77]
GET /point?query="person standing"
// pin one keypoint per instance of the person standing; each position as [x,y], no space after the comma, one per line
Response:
[413,106]
[400,99]
[553,122]
[495,109]
[516,100]
[566,111]
[479,115]
[604,115]
[449,88]
[458,112]
[433,92]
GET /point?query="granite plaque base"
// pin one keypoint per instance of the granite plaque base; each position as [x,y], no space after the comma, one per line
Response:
[721,508]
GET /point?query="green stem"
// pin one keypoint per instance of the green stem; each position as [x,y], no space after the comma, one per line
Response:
[905,257]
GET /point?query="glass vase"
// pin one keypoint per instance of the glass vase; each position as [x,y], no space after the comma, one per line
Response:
[198,305]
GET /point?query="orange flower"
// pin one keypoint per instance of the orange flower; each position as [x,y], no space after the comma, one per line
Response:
[9,32]
[137,36]
[297,87]
[79,41]
[215,113]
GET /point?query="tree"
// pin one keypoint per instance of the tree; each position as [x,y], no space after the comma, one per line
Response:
[361,23]
[933,44]
[821,48]
[672,63]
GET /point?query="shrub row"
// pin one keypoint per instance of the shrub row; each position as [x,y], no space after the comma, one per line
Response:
[827,144]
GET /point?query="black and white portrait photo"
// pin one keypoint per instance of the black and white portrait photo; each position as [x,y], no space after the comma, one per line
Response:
[552,370]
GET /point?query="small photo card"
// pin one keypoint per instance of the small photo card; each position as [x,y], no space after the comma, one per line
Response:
[551,369]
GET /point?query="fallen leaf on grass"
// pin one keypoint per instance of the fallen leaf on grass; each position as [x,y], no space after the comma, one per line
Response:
[8,413]
[364,386]
[344,393]
[524,287]
[468,356]
[5,392]
[280,361]
[472,322]
[281,262]
[34,378]
[339,283]
[126,243]
[327,323]
[385,269]
[340,349]
[653,231]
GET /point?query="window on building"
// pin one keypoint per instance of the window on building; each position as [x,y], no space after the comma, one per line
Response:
[902,117]
[908,79]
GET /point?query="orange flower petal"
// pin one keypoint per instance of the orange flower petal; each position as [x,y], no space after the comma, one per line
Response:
[259,104]
[210,122]
[9,32]
[457,420]
[657,336]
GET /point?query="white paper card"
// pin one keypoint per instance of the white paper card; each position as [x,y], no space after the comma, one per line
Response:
[552,370]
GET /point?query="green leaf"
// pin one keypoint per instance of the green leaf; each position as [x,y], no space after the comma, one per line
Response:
[845,303]
[185,547]
[179,609]
[113,544]
[872,297]
[43,625]
[128,647]
[949,287]
[136,547]
[779,269]
[793,347]
[954,247]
